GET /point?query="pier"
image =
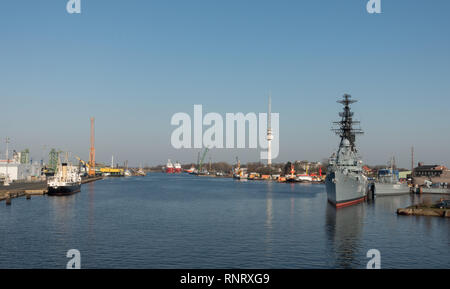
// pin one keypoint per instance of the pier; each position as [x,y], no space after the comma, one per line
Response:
[86,180]
[439,209]
[20,189]
[28,189]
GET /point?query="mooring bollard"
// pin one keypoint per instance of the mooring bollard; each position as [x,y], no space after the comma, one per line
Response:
[8,201]
[28,197]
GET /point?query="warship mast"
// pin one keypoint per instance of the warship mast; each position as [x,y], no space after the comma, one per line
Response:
[345,127]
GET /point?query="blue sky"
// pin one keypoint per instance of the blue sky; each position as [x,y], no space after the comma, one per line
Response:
[133,64]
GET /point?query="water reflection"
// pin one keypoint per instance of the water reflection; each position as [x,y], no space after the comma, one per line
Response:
[161,222]
[63,212]
[427,199]
[344,230]
[292,208]
[269,218]
[90,189]
[269,214]
[62,207]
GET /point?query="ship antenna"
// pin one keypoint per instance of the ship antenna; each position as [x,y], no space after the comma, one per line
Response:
[269,131]
[345,127]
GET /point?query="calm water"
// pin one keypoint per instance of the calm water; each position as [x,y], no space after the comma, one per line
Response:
[183,221]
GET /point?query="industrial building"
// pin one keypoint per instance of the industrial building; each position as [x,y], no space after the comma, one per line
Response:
[17,171]
[433,173]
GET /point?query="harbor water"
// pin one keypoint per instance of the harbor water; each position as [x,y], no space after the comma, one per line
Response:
[184,221]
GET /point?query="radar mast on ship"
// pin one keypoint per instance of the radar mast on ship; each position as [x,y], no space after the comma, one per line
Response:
[345,127]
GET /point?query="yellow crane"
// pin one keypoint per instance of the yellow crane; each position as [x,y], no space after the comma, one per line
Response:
[83,162]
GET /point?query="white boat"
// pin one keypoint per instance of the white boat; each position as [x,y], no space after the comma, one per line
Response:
[191,170]
[301,178]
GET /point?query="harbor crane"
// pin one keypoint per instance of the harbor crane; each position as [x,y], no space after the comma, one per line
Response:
[85,164]
[202,159]
[92,150]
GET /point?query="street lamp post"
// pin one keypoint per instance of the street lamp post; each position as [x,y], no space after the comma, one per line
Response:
[6,183]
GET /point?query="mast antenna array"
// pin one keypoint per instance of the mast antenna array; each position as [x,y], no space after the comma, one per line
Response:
[344,128]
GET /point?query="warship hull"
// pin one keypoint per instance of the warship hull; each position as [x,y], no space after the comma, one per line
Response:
[345,190]
[391,189]
[437,191]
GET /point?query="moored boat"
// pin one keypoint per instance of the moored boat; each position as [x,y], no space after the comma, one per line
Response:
[191,170]
[169,169]
[388,184]
[433,188]
[177,168]
[66,181]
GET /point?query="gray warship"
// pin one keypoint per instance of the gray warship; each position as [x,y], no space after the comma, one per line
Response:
[345,182]
[388,184]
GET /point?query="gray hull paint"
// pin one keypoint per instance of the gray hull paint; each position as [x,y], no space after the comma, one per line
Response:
[438,191]
[391,189]
[343,188]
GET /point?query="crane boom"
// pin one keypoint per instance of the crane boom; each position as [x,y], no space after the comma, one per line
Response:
[202,159]
[92,150]
[83,162]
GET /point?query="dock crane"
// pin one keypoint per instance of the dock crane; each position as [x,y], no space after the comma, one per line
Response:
[238,166]
[201,160]
[83,162]
[92,150]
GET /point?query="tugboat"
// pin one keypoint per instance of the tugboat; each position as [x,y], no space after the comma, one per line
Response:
[177,168]
[239,173]
[305,178]
[292,178]
[345,182]
[66,181]
[169,169]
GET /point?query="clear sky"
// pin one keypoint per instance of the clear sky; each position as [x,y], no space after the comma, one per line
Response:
[133,64]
